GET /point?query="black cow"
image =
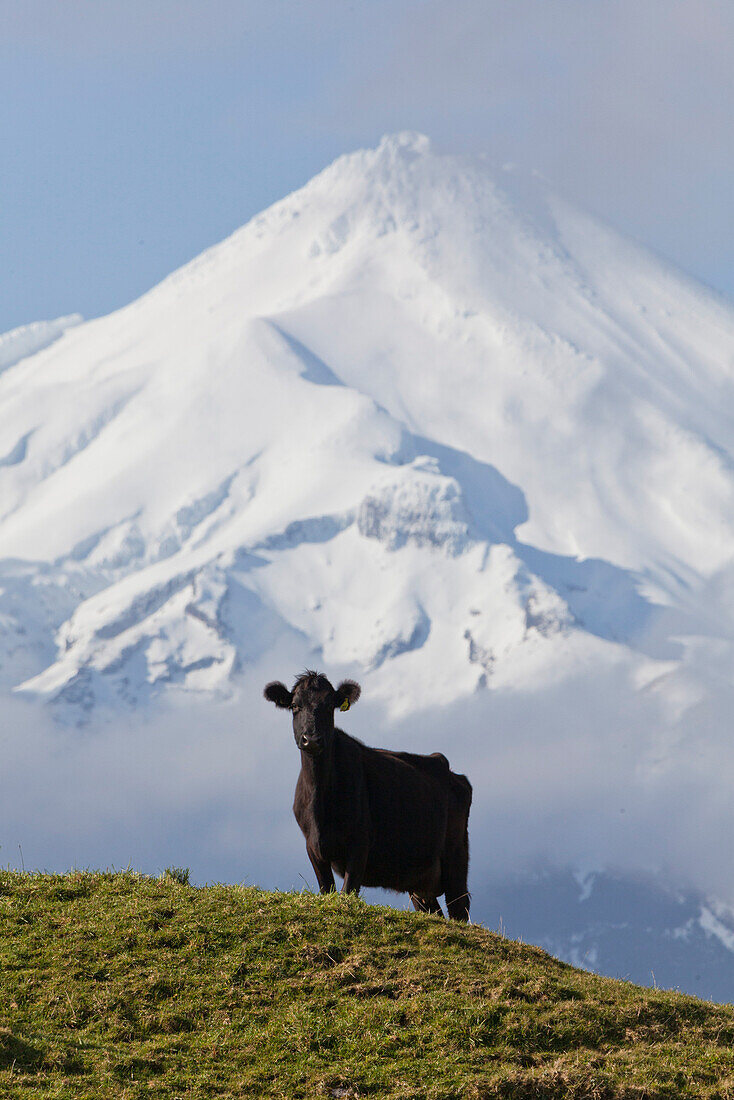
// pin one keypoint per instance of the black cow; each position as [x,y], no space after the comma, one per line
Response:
[378,818]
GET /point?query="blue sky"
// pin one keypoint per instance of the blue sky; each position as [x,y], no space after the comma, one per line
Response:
[135,133]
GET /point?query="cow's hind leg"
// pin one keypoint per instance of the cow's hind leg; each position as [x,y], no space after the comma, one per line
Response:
[426,905]
[458,905]
[455,888]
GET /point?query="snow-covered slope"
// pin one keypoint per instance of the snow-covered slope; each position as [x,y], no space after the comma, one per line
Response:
[21,342]
[425,422]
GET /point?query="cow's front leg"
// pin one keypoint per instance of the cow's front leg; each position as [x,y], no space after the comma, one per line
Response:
[354,873]
[324,873]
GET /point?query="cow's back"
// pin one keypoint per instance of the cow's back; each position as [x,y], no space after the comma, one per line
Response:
[408,798]
[437,765]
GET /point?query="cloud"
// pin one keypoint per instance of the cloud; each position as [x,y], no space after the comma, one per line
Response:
[588,773]
[194,787]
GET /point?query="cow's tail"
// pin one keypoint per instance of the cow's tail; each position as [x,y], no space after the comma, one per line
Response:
[455,863]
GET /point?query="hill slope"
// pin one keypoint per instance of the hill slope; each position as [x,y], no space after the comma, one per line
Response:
[115,985]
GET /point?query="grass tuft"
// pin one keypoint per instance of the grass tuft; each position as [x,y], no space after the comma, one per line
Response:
[177,874]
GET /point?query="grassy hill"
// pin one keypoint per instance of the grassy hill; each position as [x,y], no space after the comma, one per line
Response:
[116,985]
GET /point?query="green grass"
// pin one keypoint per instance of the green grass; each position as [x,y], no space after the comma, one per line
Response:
[117,985]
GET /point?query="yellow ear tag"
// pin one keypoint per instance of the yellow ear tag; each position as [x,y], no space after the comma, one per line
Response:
[345,705]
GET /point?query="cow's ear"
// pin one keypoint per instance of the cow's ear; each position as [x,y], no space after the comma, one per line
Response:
[346,694]
[279,694]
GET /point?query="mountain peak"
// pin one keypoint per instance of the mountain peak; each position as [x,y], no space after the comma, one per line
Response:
[405,142]
[401,374]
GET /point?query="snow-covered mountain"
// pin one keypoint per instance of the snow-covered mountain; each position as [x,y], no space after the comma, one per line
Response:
[420,422]
[437,426]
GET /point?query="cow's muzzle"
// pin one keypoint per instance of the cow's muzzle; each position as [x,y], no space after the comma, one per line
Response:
[310,745]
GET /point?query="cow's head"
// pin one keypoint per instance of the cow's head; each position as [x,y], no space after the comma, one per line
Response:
[312,702]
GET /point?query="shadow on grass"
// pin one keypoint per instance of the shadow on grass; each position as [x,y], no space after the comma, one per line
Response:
[17,1052]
